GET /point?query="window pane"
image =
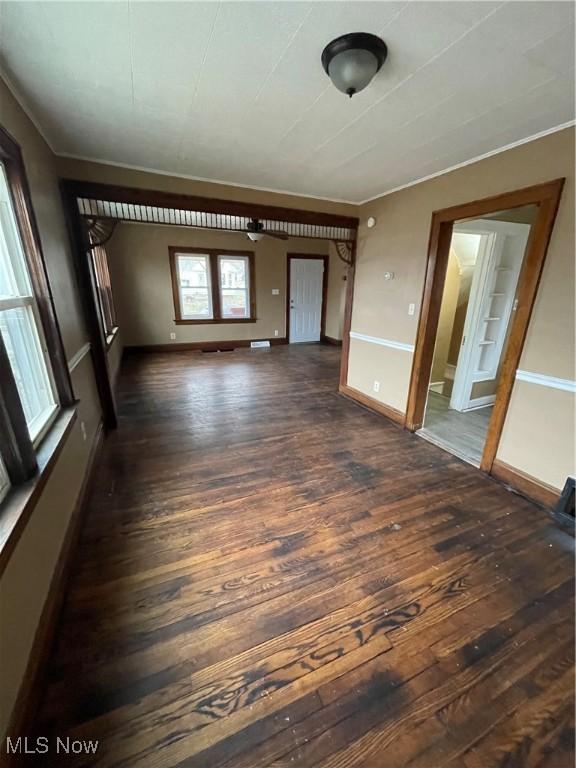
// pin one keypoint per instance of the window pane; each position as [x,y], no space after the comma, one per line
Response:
[234,303]
[104,289]
[193,271]
[195,302]
[4,481]
[13,274]
[234,286]
[194,283]
[233,272]
[22,344]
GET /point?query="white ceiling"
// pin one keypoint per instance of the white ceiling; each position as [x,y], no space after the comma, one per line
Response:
[235,92]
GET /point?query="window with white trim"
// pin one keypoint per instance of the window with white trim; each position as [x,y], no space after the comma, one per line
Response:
[234,280]
[20,324]
[194,286]
[212,286]
[34,376]
[106,307]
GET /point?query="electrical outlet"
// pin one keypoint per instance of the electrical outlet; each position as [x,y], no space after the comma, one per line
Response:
[376,386]
[83,430]
[173,336]
[275,291]
[411,309]
[275,333]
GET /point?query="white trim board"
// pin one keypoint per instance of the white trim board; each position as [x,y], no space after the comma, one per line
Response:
[382,342]
[546,381]
[78,356]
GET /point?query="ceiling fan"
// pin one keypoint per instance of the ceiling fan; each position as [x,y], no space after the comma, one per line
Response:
[255,231]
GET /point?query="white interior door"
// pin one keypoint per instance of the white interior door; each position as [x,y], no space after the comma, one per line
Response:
[490,307]
[306,279]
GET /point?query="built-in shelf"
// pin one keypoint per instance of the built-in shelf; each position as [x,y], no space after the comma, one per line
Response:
[486,343]
[490,319]
[497,294]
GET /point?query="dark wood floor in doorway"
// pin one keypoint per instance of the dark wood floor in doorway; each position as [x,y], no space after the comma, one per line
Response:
[270,575]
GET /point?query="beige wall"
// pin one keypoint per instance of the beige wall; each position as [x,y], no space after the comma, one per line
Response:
[141,283]
[336,295]
[398,243]
[446,320]
[109,174]
[25,581]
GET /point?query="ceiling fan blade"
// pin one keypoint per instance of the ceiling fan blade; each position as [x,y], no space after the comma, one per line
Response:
[277,235]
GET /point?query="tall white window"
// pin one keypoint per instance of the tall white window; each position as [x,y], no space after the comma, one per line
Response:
[234,278]
[20,324]
[194,286]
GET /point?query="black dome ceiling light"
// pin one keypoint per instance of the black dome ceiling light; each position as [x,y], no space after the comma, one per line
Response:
[352,60]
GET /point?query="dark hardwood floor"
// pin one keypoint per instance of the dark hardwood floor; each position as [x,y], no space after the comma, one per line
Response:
[271,575]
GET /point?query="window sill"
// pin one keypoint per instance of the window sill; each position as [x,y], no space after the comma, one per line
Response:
[223,321]
[18,505]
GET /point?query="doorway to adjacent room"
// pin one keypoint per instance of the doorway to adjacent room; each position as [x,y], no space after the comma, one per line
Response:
[478,303]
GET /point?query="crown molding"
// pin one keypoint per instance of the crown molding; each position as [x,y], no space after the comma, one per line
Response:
[203,179]
[144,169]
[485,156]
[9,83]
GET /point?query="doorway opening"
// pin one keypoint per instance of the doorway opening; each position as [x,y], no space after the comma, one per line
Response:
[307,297]
[479,300]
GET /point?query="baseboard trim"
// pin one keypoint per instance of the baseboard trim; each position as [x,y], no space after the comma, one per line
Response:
[373,405]
[525,485]
[201,346]
[22,718]
[331,340]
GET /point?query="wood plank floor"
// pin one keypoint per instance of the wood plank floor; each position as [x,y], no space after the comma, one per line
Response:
[271,575]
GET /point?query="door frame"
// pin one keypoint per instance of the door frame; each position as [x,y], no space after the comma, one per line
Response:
[319,257]
[547,197]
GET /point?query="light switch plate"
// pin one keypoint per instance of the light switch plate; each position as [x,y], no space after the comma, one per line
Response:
[411,309]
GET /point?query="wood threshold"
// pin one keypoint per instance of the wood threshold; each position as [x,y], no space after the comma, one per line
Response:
[526,485]
[373,405]
[22,718]
[17,507]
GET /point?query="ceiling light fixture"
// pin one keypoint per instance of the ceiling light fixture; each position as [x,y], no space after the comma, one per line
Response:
[352,60]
